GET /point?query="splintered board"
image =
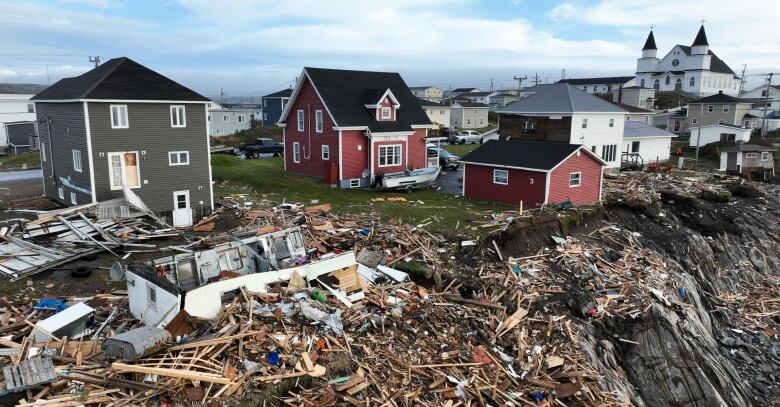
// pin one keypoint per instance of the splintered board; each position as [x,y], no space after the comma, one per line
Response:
[28,374]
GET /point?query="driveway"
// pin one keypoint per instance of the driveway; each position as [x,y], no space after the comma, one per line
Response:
[19,184]
[20,175]
[451,181]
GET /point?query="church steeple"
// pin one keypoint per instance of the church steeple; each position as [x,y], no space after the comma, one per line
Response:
[701,37]
[650,42]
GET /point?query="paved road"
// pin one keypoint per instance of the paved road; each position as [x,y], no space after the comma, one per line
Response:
[451,181]
[20,175]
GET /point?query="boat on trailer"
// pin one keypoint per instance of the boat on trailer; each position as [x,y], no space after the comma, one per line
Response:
[407,180]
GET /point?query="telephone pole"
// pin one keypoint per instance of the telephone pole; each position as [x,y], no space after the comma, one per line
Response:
[95,60]
[520,82]
[491,85]
[742,83]
[536,78]
[766,102]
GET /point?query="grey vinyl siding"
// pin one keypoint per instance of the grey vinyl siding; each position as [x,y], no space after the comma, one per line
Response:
[150,131]
[61,126]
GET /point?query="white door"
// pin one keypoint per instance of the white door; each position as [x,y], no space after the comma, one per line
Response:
[182,213]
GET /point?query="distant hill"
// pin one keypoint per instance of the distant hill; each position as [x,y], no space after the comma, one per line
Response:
[21,88]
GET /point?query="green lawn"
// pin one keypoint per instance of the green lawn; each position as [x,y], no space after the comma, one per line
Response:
[267,179]
[30,158]
[461,149]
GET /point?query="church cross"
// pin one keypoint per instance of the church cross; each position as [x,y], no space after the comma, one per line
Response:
[702,21]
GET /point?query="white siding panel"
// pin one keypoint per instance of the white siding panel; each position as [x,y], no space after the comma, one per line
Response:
[141,308]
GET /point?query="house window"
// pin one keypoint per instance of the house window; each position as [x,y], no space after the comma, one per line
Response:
[575,179]
[77,160]
[584,123]
[390,155]
[119,117]
[240,118]
[608,152]
[642,83]
[296,152]
[31,108]
[728,137]
[585,88]
[61,193]
[501,177]
[668,80]
[763,93]
[73,199]
[178,116]
[593,149]
[765,156]
[123,168]
[265,116]
[152,294]
[468,121]
[229,260]
[386,113]
[325,152]
[529,125]
[318,121]
[710,108]
[751,155]
[441,111]
[747,123]
[675,62]
[721,121]
[225,118]
[725,108]
[634,146]
[179,158]
[657,85]
[208,118]
[300,120]
[265,103]
[694,120]
[43,152]
[611,122]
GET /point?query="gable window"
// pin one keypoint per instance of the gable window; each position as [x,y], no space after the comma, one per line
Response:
[710,108]
[725,108]
[611,122]
[668,80]
[765,156]
[123,168]
[386,113]
[318,121]
[634,146]
[301,122]
[575,179]
[178,117]
[693,81]
[325,152]
[608,152]
[77,160]
[501,177]
[179,158]
[73,199]
[584,123]
[390,155]
[119,117]
[31,108]
[61,193]
[296,152]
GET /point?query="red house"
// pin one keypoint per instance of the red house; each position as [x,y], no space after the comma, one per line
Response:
[532,172]
[345,126]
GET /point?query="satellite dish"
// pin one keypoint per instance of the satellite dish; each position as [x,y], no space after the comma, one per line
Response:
[116,272]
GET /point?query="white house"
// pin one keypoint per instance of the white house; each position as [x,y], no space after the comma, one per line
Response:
[468,115]
[650,142]
[438,113]
[719,132]
[479,97]
[758,96]
[600,85]
[224,121]
[561,112]
[693,69]
[16,107]
[429,93]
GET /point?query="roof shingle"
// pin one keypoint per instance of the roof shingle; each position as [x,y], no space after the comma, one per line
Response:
[535,155]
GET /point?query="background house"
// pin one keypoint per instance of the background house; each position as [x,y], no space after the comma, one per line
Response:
[468,115]
[225,120]
[122,124]
[458,91]
[748,160]
[532,174]
[17,114]
[636,96]
[346,126]
[438,113]
[719,108]
[479,97]
[497,100]
[604,85]
[272,106]
[429,93]
[647,141]
[714,133]
[563,113]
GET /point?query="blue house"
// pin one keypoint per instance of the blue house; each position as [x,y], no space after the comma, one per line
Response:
[273,104]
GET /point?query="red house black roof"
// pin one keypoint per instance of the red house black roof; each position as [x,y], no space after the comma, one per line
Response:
[534,155]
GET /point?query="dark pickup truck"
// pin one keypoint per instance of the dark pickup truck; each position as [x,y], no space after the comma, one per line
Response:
[262,146]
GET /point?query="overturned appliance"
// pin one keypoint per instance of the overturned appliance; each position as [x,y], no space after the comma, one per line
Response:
[136,343]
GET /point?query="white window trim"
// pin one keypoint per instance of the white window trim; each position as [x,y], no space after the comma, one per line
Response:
[495,172]
[177,154]
[318,121]
[765,156]
[121,154]
[73,198]
[389,146]
[76,154]
[710,108]
[751,155]
[611,122]
[325,152]
[389,113]
[225,118]
[240,118]
[296,152]
[181,120]
[725,108]
[354,183]
[584,124]
[61,193]
[579,179]
[300,120]
[119,109]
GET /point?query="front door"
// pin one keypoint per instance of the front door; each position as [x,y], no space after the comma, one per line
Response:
[182,213]
[731,161]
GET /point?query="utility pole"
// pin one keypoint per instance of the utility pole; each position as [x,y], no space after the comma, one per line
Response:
[491,85]
[766,102]
[536,78]
[742,83]
[520,82]
[95,60]
[698,135]
[563,73]
[221,96]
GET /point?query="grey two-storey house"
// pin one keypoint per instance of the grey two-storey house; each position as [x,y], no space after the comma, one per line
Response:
[124,125]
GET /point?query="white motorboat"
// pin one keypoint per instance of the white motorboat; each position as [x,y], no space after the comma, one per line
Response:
[408,179]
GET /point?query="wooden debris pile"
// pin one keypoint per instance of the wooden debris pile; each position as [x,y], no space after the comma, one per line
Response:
[642,189]
[758,309]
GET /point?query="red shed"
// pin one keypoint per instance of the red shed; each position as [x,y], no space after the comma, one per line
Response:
[345,126]
[532,172]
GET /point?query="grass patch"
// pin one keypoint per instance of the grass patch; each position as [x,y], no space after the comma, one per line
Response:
[29,158]
[266,178]
[461,149]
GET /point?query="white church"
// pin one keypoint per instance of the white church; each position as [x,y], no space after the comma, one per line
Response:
[692,69]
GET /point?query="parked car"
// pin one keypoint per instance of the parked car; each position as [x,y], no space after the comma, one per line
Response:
[447,133]
[466,136]
[447,160]
[262,146]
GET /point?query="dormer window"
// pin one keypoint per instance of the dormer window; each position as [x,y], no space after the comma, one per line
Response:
[387,113]
[383,104]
